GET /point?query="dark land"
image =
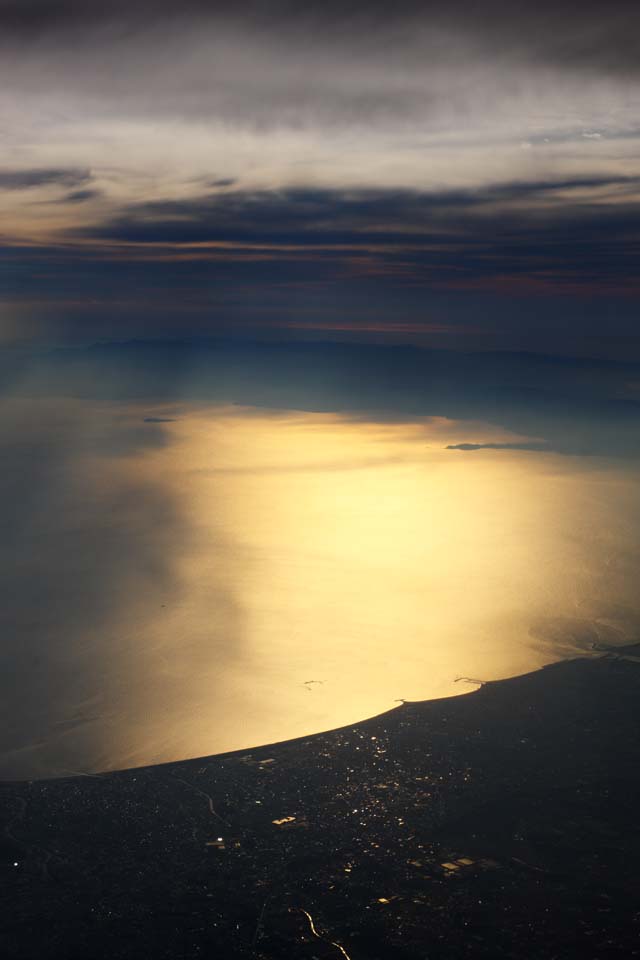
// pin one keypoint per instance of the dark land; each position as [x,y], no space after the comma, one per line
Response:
[503,823]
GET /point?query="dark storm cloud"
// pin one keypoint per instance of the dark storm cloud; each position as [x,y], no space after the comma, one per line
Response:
[28,179]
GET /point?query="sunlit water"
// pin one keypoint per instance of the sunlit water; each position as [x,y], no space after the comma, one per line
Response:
[228,577]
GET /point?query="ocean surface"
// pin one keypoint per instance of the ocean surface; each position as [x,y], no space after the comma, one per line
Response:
[185,578]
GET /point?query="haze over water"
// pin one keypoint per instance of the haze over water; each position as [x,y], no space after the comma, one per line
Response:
[191,577]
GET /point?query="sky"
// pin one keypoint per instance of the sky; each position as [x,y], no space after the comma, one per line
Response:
[454,175]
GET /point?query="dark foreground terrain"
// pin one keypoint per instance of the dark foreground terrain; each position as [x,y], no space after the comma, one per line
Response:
[504,823]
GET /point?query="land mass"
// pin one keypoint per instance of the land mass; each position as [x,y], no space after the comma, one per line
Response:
[501,823]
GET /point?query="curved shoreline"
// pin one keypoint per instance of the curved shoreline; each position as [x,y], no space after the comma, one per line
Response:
[504,818]
[601,653]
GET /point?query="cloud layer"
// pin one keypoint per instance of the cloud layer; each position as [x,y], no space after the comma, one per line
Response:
[326,154]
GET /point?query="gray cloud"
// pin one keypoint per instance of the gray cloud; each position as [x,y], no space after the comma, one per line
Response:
[224,182]
[486,146]
[532,446]
[562,233]
[273,63]
[587,33]
[27,179]
[298,215]
[81,196]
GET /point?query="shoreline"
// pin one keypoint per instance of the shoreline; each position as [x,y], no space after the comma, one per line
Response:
[604,652]
[496,823]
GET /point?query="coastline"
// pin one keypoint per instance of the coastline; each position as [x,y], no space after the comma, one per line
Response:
[304,737]
[497,821]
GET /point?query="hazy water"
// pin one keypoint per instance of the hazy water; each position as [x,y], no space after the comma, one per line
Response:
[187,580]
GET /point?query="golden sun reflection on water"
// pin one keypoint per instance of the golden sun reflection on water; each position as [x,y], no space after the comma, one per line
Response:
[294,572]
[335,565]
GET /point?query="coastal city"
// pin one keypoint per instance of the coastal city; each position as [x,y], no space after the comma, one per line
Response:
[480,825]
